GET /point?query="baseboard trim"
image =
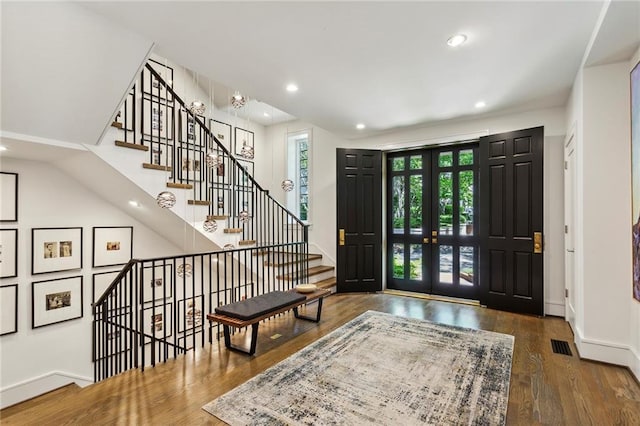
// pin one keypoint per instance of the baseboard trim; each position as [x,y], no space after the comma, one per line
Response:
[634,364]
[598,350]
[19,392]
[555,309]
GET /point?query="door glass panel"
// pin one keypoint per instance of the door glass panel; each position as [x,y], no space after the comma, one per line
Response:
[465,157]
[467,271]
[445,203]
[397,164]
[415,263]
[397,187]
[398,261]
[445,159]
[415,204]
[465,184]
[446,264]
[415,162]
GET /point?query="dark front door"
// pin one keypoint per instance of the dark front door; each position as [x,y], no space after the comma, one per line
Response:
[511,197]
[431,201]
[359,216]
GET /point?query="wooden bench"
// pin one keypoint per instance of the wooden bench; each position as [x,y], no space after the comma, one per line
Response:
[231,321]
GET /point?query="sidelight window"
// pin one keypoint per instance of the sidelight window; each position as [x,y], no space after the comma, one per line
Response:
[299,170]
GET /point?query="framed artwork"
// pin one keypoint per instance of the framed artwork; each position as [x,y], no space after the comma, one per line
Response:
[112,245]
[9,197]
[635,177]
[243,176]
[152,86]
[221,199]
[219,175]
[157,320]
[156,282]
[8,253]
[8,309]
[157,120]
[161,154]
[191,165]
[55,249]
[56,301]
[243,202]
[222,132]
[190,131]
[101,282]
[190,314]
[244,144]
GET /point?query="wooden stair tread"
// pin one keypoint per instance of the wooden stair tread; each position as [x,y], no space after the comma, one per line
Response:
[285,261]
[156,167]
[123,144]
[328,283]
[219,217]
[232,230]
[312,271]
[179,185]
[199,202]
[246,242]
[116,124]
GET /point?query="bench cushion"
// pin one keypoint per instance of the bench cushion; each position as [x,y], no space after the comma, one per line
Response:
[260,305]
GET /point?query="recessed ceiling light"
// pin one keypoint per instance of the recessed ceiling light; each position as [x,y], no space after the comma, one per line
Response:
[266,114]
[134,203]
[292,88]
[3,148]
[360,126]
[457,40]
[481,104]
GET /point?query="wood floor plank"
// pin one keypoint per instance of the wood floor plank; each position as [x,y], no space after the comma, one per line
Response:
[546,388]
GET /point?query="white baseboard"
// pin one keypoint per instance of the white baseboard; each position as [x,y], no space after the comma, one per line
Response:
[598,350]
[36,386]
[634,363]
[554,308]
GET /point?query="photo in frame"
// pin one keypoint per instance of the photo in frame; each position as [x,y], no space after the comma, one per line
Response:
[157,120]
[220,175]
[157,282]
[635,178]
[190,165]
[243,176]
[244,144]
[8,309]
[55,249]
[152,86]
[157,321]
[221,199]
[161,154]
[243,202]
[112,245]
[56,301]
[222,132]
[190,131]
[9,197]
[190,314]
[8,253]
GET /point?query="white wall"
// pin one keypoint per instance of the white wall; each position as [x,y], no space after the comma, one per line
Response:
[34,361]
[323,210]
[634,314]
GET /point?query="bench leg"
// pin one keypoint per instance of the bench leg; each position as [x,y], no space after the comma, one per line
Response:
[310,318]
[254,339]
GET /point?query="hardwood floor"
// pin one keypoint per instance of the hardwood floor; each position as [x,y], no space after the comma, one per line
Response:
[546,388]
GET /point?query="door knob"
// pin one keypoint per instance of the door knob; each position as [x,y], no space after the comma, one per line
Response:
[341,237]
[537,242]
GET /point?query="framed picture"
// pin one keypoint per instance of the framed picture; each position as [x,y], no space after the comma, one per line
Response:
[112,245]
[190,131]
[190,314]
[8,253]
[150,84]
[56,301]
[221,199]
[9,197]
[157,282]
[243,176]
[161,154]
[243,202]
[222,132]
[191,165]
[635,177]
[157,320]
[8,309]
[55,249]
[244,144]
[157,120]
[220,175]
[101,282]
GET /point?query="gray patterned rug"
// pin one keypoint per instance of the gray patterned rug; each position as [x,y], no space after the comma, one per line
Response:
[381,369]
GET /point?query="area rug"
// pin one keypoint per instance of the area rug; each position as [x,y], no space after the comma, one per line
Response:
[381,369]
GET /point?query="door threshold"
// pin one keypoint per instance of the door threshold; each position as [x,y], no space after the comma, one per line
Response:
[432,297]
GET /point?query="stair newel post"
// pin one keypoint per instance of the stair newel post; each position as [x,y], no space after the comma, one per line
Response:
[305,247]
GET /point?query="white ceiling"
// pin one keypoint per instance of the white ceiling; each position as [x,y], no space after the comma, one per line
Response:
[385,64]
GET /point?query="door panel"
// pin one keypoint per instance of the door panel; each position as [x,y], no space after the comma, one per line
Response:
[511,198]
[359,215]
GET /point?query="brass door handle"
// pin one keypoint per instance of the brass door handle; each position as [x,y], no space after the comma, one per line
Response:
[341,237]
[537,242]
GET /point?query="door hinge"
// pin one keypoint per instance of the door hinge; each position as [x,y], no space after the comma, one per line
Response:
[566,292]
[566,229]
[566,165]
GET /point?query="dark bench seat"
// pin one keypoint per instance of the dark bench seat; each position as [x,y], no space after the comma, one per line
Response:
[250,312]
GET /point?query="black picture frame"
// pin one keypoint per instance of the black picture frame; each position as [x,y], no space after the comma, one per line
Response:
[190,133]
[190,164]
[150,84]
[8,309]
[8,253]
[52,301]
[244,138]
[191,314]
[156,282]
[157,321]
[112,245]
[220,196]
[222,132]
[50,245]
[157,120]
[8,193]
[243,178]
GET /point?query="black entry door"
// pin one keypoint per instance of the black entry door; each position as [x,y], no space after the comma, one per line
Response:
[359,217]
[511,211]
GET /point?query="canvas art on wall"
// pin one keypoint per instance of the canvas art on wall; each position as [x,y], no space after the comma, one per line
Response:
[635,176]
